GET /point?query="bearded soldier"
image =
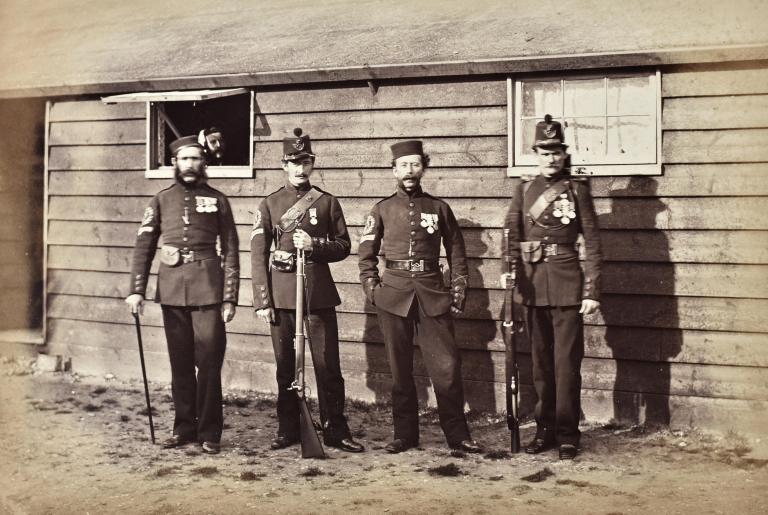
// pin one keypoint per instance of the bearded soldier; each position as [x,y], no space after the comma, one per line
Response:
[545,218]
[301,216]
[411,299]
[197,289]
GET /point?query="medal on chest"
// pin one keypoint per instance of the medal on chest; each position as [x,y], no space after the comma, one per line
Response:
[429,222]
[564,209]
[313,215]
[206,204]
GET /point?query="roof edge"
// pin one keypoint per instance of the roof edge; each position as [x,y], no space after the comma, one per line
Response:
[512,65]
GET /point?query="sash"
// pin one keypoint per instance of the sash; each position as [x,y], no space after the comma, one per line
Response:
[291,218]
[546,198]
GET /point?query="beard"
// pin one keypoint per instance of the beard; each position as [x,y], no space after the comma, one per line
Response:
[180,176]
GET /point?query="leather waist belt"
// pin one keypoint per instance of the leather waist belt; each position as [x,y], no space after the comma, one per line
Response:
[412,265]
[556,249]
[197,255]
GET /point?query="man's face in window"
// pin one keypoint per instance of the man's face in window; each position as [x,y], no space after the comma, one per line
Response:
[216,147]
[189,164]
[551,160]
[299,170]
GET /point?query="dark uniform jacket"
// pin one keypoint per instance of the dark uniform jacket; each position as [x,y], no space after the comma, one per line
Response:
[189,219]
[412,227]
[324,222]
[555,280]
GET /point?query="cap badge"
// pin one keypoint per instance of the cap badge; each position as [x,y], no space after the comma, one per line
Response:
[550,131]
[298,144]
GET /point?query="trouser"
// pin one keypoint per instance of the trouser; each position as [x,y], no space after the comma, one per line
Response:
[435,337]
[557,348]
[196,339]
[323,339]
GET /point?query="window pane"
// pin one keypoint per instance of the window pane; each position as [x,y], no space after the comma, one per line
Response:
[528,129]
[632,137]
[584,97]
[540,98]
[585,138]
[630,95]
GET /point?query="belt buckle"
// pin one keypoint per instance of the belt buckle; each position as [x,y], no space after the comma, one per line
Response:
[550,249]
[188,257]
[417,266]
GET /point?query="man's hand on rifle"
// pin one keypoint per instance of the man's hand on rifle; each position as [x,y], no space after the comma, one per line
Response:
[267,315]
[302,240]
[589,306]
[136,303]
[507,279]
[228,311]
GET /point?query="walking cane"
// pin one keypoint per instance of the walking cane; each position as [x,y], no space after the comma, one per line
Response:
[144,375]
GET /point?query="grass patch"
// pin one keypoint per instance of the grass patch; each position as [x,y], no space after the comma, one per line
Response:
[91,407]
[165,471]
[449,470]
[311,472]
[538,477]
[251,476]
[573,482]
[457,453]
[204,471]
[99,390]
[496,455]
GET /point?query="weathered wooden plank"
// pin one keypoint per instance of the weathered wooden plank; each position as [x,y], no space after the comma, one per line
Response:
[716,146]
[696,313]
[613,213]
[442,182]
[444,152]
[673,246]
[633,343]
[681,213]
[724,112]
[72,110]
[422,123]
[102,157]
[605,374]
[684,246]
[387,96]
[97,132]
[692,81]
[683,279]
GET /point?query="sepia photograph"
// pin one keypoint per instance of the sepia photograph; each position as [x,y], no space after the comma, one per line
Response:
[383,257]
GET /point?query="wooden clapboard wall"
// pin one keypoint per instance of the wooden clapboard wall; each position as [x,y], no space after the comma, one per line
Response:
[682,336]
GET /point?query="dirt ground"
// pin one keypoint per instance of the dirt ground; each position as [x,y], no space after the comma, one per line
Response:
[81,445]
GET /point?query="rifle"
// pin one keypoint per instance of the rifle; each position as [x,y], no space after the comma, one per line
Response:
[510,353]
[310,441]
[144,375]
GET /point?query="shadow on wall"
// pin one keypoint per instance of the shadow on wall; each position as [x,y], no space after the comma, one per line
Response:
[474,335]
[641,324]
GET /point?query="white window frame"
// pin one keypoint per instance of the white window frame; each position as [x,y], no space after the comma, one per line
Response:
[151,98]
[517,165]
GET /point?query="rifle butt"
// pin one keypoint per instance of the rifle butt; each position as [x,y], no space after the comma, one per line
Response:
[311,447]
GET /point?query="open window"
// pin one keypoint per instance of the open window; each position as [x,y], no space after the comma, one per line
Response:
[612,122]
[173,114]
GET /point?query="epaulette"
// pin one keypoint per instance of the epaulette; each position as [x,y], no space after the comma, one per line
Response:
[385,198]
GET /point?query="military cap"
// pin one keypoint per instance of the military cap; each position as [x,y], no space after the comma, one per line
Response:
[186,141]
[549,133]
[298,146]
[407,148]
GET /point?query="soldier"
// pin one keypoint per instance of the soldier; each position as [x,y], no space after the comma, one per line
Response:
[544,220]
[213,143]
[197,296]
[300,216]
[411,298]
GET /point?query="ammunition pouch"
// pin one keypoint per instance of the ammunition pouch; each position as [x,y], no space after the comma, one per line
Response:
[283,261]
[170,256]
[531,251]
